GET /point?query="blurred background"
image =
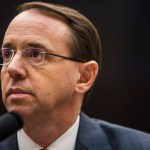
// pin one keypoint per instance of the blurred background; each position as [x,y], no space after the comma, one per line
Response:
[122,92]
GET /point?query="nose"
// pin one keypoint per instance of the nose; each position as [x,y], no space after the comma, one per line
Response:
[16,68]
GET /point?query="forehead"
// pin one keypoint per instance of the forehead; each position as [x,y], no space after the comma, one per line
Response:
[33,22]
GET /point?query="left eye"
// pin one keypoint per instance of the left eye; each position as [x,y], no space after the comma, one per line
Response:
[36,54]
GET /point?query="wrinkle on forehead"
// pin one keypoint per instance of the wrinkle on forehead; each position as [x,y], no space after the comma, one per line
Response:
[32,22]
[29,29]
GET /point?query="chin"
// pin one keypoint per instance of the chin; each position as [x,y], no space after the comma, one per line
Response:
[20,110]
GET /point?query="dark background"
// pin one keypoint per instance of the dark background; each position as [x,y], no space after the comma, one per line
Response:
[121,94]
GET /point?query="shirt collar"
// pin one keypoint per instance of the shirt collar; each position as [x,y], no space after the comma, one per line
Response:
[66,141]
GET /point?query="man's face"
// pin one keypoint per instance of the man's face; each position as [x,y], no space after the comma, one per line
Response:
[48,88]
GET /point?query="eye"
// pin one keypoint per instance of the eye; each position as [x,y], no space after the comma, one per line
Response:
[7,53]
[35,55]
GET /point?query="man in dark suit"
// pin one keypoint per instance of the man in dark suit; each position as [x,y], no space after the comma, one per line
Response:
[99,135]
[51,57]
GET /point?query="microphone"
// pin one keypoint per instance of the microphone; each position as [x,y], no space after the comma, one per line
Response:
[10,123]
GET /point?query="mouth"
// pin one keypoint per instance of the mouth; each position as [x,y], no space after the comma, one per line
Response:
[16,92]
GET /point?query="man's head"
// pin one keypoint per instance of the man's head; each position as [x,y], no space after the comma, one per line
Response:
[57,85]
[83,41]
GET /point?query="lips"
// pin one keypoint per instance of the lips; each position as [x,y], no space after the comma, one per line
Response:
[16,91]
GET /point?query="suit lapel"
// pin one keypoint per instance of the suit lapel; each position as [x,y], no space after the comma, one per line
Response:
[9,143]
[91,136]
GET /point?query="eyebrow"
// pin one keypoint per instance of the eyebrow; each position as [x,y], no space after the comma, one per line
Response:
[41,46]
[37,45]
[33,44]
[7,44]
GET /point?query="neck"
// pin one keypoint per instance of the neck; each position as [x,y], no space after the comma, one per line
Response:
[46,130]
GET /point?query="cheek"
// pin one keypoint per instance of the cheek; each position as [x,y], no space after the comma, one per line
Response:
[56,85]
[65,83]
[4,82]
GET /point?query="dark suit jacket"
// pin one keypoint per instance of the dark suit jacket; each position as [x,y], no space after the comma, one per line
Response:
[96,134]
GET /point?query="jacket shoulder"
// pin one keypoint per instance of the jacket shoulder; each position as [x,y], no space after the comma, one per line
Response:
[123,138]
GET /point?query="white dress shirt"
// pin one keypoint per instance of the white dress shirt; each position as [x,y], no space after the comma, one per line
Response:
[65,142]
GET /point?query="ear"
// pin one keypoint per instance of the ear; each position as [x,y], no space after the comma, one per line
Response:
[88,73]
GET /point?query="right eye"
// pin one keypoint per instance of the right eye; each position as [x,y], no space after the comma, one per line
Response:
[7,53]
